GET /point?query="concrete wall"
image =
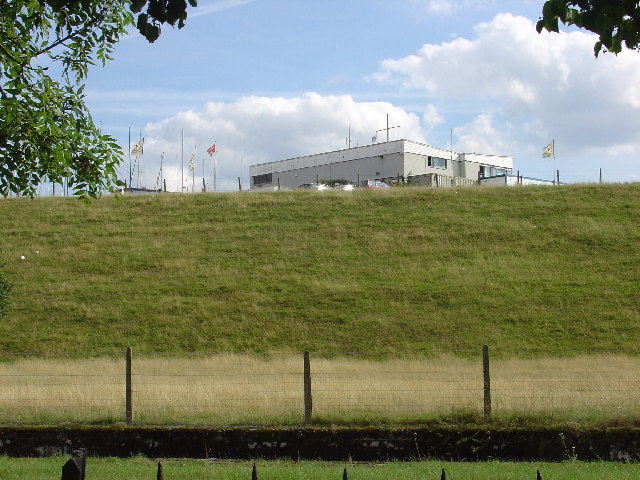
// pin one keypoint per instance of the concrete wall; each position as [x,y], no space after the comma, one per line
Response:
[417,164]
[512,180]
[439,180]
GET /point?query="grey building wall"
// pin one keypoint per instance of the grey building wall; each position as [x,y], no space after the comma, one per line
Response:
[422,164]
[379,161]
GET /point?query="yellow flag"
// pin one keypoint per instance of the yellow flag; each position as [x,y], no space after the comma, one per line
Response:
[138,147]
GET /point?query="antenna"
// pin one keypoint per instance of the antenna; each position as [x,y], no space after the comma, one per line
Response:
[387,129]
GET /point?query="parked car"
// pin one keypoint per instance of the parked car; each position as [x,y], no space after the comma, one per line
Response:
[373,184]
[348,186]
[314,186]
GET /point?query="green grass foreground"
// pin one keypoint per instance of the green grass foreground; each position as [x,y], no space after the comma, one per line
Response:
[140,468]
[381,273]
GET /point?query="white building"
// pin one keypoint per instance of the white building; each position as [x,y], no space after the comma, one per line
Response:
[400,159]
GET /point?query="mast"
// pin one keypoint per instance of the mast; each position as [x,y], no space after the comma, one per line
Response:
[130,168]
[451,148]
[387,129]
[182,170]
[140,158]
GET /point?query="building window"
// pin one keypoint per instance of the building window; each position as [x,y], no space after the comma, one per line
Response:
[491,171]
[437,162]
[262,179]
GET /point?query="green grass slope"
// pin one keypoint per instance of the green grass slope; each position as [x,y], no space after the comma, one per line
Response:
[377,272]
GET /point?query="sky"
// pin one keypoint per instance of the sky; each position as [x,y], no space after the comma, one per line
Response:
[267,80]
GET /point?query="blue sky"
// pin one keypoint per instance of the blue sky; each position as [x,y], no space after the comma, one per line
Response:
[272,79]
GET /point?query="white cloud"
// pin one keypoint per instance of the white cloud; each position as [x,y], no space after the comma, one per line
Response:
[532,87]
[256,129]
[440,6]
[481,136]
[447,7]
[206,7]
[432,117]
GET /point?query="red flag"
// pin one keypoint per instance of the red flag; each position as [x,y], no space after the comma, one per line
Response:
[212,149]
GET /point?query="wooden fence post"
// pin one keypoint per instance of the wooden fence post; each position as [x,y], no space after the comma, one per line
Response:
[160,474]
[128,388]
[308,406]
[486,382]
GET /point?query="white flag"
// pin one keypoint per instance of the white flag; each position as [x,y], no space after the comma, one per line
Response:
[192,160]
[548,150]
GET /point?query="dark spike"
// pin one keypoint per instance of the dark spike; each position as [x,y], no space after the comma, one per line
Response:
[160,475]
[443,476]
[538,476]
[254,472]
[74,469]
[344,474]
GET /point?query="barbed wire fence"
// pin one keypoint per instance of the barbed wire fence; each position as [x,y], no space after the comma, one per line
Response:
[228,389]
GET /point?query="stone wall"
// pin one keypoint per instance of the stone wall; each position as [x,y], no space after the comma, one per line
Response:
[553,444]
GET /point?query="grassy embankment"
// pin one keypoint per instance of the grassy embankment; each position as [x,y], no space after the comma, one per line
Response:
[422,276]
[381,273]
[115,469]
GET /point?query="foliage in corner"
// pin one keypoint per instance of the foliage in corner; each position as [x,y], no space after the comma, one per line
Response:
[46,50]
[5,291]
[616,22]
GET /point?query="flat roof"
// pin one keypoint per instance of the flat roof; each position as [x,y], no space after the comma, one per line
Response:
[376,149]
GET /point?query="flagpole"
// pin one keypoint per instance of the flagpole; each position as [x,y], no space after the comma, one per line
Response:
[130,174]
[182,169]
[140,159]
[553,149]
[193,172]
